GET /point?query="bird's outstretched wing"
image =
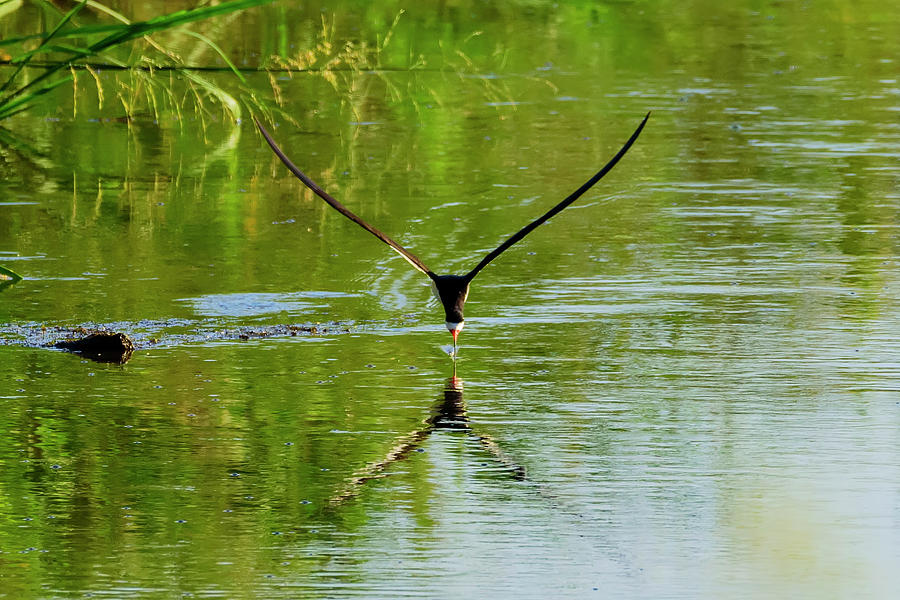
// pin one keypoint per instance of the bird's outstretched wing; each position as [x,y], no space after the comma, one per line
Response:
[409,256]
[559,207]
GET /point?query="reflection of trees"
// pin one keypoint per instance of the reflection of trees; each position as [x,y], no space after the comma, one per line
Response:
[448,413]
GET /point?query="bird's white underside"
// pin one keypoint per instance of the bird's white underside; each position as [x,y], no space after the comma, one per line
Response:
[451,326]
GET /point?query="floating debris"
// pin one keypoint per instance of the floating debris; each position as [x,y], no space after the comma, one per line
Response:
[105,342]
[101,346]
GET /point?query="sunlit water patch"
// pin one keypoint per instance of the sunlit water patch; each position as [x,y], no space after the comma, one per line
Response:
[295,304]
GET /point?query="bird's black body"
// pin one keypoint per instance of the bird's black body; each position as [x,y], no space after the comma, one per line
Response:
[451,290]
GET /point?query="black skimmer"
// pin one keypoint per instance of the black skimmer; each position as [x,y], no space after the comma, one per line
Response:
[451,290]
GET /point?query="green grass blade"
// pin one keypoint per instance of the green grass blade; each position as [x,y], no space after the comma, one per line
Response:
[224,98]
[8,101]
[74,32]
[66,18]
[120,34]
[7,108]
[75,51]
[15,112]
[154,25]
[7,7]
[142,28]
[107,10]
[218,50]
[24,61]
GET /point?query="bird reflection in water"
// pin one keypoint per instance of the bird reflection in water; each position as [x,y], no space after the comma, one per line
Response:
[448,413]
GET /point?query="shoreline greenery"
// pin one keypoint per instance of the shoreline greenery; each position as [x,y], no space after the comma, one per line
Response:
[69,48]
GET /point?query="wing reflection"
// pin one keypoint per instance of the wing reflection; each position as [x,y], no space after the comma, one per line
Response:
[449,412]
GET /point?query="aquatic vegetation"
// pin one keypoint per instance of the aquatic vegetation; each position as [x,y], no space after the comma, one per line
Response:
[70,50]
[144,69]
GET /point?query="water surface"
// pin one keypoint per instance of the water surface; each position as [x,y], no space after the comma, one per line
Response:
[685,386]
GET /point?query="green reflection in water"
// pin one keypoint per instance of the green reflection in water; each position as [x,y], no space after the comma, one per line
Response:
[696,366]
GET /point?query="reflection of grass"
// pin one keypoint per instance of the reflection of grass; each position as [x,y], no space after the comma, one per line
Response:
[341,64]
[350,66]
[330,58]
[69,47]
[67,51]
[144,75]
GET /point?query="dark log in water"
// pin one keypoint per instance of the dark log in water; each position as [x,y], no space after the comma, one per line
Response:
[101,346]
[103,342]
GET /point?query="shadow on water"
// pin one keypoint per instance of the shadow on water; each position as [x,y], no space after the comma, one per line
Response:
[449,413]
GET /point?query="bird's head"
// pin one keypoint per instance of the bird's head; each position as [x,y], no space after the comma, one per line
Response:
[452,291]
[454,327]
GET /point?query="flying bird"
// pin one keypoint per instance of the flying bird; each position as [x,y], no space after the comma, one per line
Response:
[451,290]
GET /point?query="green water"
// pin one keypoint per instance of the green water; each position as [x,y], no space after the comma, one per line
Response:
[686,386]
